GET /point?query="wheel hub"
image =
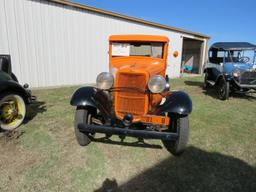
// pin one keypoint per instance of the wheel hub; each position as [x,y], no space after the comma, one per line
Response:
[9,112]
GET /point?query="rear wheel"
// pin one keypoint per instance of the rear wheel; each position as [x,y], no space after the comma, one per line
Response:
[179,125]
[84,116]
[223,89]
[12,111]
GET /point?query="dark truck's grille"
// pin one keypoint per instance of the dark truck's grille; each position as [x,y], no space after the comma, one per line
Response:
[248,78]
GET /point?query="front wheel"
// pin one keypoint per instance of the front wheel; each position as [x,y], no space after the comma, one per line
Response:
[179,125]
[223,89]
[206,84]
[83,116]
[12,111]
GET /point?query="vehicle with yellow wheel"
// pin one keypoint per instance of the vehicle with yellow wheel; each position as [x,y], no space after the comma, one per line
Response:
[13,97]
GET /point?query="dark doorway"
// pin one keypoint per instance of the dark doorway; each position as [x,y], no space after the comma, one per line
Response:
[191,56]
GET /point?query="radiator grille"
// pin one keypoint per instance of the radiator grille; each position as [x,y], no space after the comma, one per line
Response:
[248,77]
[129,99]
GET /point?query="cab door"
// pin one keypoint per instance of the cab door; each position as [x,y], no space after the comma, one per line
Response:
[214,67]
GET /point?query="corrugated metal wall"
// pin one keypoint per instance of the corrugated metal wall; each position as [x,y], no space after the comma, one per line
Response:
[55,45]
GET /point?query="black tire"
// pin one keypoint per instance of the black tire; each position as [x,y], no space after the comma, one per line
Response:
[223,89]
[181,126]
[82,116]
[206,84]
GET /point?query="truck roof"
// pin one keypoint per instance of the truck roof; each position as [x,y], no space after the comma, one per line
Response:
[150,38]
[233,46]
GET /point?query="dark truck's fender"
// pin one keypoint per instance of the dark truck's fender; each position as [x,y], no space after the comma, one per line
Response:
[177,103]
[12,86]
[90,96]
[226,77]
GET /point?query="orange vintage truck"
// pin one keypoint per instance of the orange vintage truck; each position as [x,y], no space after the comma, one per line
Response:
[133,98]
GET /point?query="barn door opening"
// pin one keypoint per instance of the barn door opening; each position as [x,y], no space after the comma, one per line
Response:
[191,56]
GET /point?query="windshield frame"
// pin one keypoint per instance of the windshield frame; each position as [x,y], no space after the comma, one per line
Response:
[164,49]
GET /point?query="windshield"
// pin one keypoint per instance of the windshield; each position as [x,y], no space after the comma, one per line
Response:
[122,49]
[241,56]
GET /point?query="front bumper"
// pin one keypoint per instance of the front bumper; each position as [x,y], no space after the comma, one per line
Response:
[147,134]
[246,80]
[249,86]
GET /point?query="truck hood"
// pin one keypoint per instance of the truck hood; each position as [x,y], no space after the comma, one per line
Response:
[152,66]
[229,67]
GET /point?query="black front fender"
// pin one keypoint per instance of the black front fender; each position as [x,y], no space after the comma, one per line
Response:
[226,77]
[14,87]
[177,103]
[90,96]
[84,96]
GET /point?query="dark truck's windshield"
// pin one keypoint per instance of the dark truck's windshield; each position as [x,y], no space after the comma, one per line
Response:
[121,49]
[234,56]
[242,56]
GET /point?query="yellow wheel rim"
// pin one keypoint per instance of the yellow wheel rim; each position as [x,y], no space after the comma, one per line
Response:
[11,112]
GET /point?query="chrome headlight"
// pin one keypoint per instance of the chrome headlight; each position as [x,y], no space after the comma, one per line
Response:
[105,80]
[236,73]
[156,84]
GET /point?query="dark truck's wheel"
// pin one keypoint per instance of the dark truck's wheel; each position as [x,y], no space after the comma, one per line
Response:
[223,89]
[206,84]
[181,126]
[83,116]
[12,111]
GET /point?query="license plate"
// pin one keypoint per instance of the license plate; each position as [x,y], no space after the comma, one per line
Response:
[153,119]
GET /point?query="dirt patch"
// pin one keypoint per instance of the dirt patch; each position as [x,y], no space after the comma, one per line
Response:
[10,135]
[14,161]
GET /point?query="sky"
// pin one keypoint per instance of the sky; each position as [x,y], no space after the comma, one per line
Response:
[222,20]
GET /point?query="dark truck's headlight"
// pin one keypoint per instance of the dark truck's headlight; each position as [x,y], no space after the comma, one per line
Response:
[104,80]
[236,73]
[156,84]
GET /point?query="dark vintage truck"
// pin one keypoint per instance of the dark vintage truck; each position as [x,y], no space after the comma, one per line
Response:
[231,68]
[14,97]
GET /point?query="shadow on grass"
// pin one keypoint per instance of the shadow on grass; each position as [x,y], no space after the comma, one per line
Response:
[248,96]
[195,170]
[194,83]
[212,91]
[124,143]
[34,109]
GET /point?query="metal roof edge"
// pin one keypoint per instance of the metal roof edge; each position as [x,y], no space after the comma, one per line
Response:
[134,19]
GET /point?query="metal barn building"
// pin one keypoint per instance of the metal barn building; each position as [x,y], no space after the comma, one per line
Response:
[58,43]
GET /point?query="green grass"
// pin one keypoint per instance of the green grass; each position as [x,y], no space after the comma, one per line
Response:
[221,155]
